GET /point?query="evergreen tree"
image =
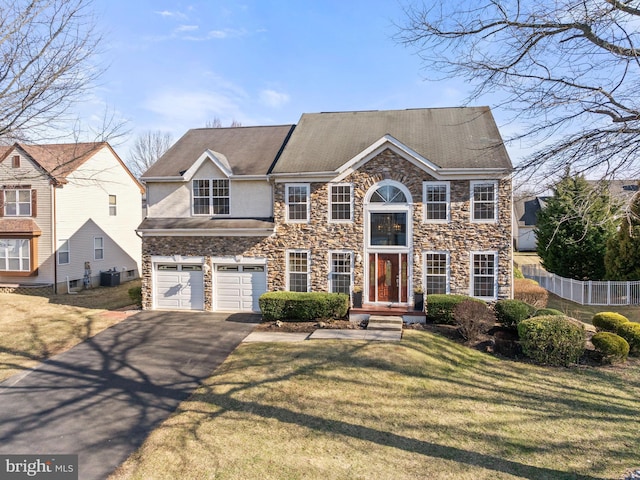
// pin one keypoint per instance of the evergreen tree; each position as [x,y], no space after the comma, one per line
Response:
[574,227]
[622,260]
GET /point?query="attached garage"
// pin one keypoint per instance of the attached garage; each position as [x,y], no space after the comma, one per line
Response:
[179,286]
[238,287]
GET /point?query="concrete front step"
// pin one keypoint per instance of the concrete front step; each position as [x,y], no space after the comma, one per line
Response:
[379,322]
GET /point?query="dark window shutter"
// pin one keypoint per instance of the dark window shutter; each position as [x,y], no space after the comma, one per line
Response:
[16,161]
[1,203]
[34,203]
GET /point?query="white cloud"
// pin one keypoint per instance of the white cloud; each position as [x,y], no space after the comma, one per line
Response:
[168,14]
[186,28]
[192,109]
[272,98]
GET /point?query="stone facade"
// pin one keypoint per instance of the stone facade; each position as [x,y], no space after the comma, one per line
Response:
[319,236]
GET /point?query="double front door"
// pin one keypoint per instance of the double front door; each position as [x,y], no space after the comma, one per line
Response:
[388,277]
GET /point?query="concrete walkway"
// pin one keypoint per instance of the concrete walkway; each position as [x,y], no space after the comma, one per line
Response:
[324,334]
[102,398]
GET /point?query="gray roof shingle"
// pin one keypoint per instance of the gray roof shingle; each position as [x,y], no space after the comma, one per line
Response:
[249,150]
[464,137]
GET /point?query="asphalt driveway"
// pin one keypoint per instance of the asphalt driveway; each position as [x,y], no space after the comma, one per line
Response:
[101,399]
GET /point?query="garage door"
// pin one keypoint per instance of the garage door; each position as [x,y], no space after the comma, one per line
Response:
[179,287]
[238,287]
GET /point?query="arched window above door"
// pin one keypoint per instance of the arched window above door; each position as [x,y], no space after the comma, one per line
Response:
[388,194]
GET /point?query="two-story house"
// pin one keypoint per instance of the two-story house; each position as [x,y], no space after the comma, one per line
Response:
[384,201]
[67,213]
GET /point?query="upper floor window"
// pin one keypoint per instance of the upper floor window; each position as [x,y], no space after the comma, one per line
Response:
[15,255]
[297,202]
[17,203]
[113,205]
[340,203]
[211,197]
[436,201]
[484,201]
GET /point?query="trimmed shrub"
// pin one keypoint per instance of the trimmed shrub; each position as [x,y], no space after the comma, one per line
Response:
[547,311]
[440,307]
[530,292]
[630,331]
[552,340]
[472,319]
[517,273]
[303,306]
[135,294]
[608,321]
[612,347]
[511,312]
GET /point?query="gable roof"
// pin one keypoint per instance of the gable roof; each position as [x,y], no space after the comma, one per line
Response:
[59,160]
[245,150]
[526,209]
[449,138]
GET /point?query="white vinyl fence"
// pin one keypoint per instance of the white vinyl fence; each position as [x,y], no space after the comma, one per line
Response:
[585,293]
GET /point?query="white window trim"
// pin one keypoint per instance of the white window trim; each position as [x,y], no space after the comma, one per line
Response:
[447,185]
[472,254]
[331,272]
[307,186]
[447,272]
[114,205]
[21,258]
[288,271]
[210,198]
[472,184]
[18,202]
[61,243]
[351,202]
[94,249]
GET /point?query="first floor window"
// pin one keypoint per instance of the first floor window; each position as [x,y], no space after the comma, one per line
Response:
[436,272]
[341,272]
[484,275]
[298,271]
[98,248]
[63,252]
[15,255]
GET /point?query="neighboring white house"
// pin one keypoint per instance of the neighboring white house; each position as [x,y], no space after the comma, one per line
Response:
[67,213]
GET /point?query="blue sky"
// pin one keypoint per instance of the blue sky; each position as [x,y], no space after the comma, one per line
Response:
[174,65]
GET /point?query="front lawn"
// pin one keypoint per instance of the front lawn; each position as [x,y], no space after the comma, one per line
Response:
[33,328]
[424,407]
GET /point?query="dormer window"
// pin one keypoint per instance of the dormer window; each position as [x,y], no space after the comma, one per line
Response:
[211,197]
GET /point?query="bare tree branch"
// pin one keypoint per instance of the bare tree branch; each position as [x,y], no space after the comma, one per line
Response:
[147,148]
[568,71]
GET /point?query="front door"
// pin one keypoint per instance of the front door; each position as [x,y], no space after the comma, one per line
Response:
[388,277]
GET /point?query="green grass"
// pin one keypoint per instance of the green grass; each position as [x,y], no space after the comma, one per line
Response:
[33,328]
[421,408]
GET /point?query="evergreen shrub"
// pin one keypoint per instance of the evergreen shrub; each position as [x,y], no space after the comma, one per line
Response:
[552,340]
[303,306]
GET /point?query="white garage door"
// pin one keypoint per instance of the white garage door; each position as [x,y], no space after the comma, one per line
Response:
[238,287]
[179,287]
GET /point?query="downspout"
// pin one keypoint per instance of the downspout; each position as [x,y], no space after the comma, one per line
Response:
[54,238]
